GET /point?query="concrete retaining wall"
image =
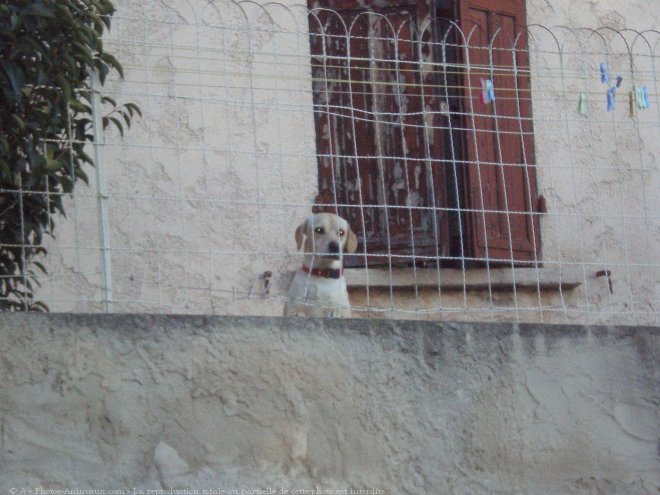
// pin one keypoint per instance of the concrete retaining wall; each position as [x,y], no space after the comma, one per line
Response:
[235,403]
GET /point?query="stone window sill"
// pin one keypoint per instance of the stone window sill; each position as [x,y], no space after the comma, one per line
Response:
[556,278]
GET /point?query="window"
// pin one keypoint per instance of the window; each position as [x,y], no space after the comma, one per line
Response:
[424,171]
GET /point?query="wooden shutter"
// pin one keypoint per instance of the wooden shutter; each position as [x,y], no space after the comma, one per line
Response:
[378,142]
[501,179]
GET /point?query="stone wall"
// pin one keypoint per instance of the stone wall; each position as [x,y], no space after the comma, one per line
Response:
[115,402]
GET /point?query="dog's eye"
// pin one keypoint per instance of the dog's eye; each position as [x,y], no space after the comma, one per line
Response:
[341,232]
[318,230]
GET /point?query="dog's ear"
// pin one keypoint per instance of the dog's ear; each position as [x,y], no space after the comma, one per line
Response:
[351,241]
[300,234]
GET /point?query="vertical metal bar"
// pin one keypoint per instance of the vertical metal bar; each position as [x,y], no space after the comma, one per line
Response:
[23,274]
[356,158]
[101,195]
[376,88]
[455,157]
[400,117]
[499,160]
[471,125]
[429,136]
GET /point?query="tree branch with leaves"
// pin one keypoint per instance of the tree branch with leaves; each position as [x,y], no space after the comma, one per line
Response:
[48,51]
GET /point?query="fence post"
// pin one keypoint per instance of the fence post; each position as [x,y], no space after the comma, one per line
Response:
[101,194]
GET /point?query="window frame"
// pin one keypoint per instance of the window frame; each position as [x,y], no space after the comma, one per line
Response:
[462,234]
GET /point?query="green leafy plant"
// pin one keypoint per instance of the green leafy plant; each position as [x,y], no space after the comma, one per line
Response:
[49,50]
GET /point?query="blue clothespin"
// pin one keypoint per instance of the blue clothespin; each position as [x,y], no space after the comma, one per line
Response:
[491,91]
[619,79]
[645,97]
[611,99]
[487,91]
[604,77]
[640,98]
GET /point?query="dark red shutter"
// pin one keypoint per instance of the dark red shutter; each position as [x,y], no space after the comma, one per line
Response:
[378,151]
[501,179]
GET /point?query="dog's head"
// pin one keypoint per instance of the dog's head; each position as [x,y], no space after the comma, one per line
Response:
[326,236]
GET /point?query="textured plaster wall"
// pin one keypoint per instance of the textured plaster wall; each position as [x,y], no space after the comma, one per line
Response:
[598,172]
[206,190]
[636,14]
[122,402]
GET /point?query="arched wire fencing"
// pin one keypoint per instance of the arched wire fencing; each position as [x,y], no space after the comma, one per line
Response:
[490,171]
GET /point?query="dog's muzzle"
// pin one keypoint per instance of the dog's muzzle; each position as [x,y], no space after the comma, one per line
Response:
[334,252]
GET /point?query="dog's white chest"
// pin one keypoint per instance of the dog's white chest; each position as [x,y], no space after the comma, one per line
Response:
[311,295]
[315,289]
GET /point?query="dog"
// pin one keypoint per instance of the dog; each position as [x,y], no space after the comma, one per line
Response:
[319,287]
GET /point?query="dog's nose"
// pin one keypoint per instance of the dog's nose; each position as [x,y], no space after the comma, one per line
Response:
[333,247]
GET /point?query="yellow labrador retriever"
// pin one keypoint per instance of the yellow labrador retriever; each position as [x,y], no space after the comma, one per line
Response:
[319,287]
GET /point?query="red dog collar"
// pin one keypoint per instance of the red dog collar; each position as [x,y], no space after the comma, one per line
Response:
[324,272]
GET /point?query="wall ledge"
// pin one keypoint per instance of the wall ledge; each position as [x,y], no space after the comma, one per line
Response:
[99,401]
[138,324]
[501,278]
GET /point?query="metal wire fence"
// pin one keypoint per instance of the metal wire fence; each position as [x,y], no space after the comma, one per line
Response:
[490,172]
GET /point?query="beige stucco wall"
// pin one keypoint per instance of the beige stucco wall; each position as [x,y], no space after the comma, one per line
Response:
[637,14]
[599,172]
[112,402]
[206,190]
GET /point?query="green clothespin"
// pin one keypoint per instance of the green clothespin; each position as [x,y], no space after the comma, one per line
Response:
[582,104]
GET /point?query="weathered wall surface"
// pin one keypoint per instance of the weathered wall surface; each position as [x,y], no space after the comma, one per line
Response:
[597,171]
[122,402]
[636,14]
